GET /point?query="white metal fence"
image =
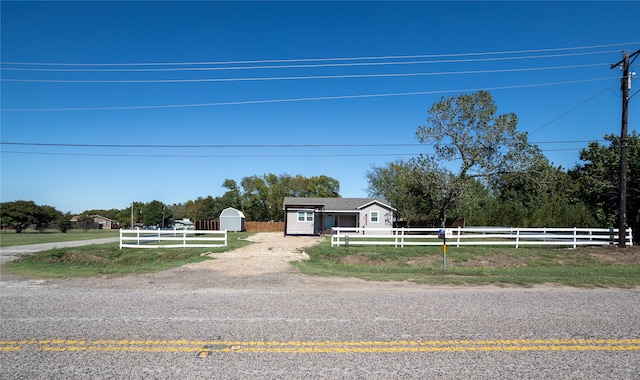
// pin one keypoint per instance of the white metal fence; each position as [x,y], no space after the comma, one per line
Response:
[401,237]
[172,239]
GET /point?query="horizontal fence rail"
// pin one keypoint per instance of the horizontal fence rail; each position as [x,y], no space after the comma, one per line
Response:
[172,239]
[459,236]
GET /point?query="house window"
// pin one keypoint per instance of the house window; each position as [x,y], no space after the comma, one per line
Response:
[305,216]
[374,217]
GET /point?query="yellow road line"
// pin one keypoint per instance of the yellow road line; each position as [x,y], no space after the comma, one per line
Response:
[400,346]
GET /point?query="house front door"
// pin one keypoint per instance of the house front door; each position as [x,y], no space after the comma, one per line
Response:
[330,222]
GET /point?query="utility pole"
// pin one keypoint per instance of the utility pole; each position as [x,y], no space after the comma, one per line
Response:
[625,86]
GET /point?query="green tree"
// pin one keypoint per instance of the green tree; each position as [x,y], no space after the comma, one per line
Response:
[421,190]
[542,196]
[45,216]
[64,222]
[201,209]
[156,213]
[255,194]
[466,129]
[322,187]
[177,210]
[232,197]
[263,196]
[131,215]
[391,183]
[598,180]
[21,214]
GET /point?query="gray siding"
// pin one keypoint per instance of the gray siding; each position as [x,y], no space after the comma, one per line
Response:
[296,227]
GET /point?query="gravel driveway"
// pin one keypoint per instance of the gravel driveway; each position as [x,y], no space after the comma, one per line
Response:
[270,252]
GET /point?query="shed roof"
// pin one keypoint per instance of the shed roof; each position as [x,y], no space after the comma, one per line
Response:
[231,212]
[335,204]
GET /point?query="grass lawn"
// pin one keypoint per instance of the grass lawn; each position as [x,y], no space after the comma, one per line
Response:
[9,237]
[586,266]
[110,260]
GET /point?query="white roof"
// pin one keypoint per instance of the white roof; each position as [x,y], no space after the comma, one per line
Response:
[231,212]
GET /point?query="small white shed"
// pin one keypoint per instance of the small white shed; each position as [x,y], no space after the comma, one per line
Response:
[231,219]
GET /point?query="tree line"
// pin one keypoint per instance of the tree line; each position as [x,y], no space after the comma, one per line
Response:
[258,197]
[483,170]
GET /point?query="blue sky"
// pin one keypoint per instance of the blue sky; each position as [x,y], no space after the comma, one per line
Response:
[105,103]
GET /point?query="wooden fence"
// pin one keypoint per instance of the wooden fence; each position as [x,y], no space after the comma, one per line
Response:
[212,225]
[208,225]
[400,237]
[264,226]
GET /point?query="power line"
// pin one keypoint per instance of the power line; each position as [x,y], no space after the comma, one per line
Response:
[305,66]
[252,155]
[323,59]
[569,111]
[214,155]
[253,146]
[345,76]
[211,146]
[291,100]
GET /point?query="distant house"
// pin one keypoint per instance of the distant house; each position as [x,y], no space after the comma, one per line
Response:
[99,221]
[315,216]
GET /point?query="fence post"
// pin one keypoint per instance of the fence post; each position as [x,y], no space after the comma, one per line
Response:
[517,237]
[184,238]
[611,238]
[121,238]
[575,237]
[458,238]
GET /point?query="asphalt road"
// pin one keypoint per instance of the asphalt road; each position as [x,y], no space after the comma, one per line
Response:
[185,324]
[14,252]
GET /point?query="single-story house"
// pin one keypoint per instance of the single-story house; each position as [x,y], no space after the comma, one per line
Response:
[315,216]
[99,222]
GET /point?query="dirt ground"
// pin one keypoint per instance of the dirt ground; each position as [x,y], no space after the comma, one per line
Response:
[263,264]
[271,252]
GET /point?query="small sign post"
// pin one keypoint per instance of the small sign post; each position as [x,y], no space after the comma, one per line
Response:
[443,234]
